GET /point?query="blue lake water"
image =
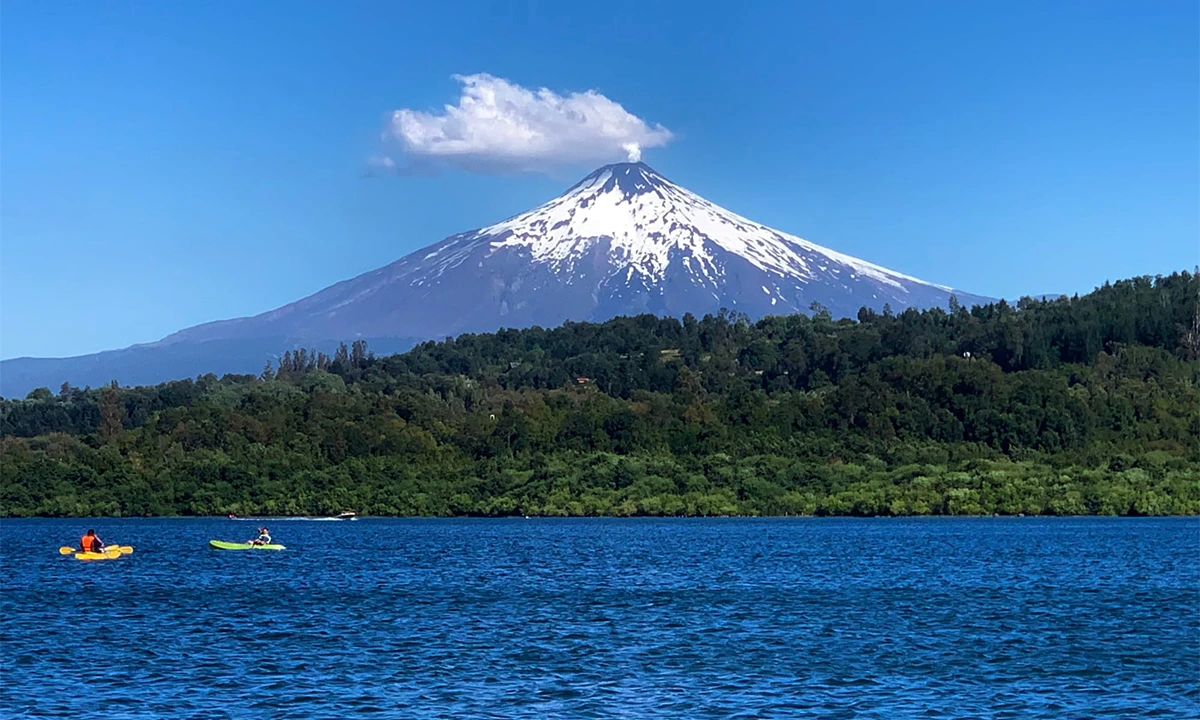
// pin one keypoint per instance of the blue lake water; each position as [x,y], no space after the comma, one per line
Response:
[921,618]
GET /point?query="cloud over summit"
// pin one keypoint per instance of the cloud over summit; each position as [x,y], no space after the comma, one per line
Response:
[498,126]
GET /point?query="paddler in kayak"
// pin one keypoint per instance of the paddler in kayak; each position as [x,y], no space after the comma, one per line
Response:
[264,538]
[90,543]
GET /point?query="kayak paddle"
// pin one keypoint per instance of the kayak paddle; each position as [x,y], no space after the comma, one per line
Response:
[121,549]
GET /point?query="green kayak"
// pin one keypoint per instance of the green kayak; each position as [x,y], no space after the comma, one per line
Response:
[222,545]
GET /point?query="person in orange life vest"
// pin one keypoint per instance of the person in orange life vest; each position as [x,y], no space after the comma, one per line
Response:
[91,543]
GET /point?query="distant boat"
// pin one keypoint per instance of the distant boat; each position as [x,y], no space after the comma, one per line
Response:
[346,516]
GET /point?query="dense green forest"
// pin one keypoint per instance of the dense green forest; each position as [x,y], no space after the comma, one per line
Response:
[1085,405]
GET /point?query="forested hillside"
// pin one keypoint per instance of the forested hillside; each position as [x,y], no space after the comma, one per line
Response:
[1086,405]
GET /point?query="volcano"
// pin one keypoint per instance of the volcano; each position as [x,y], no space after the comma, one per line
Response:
[624,240]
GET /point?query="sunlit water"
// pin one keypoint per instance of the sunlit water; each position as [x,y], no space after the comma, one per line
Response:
[1012,618]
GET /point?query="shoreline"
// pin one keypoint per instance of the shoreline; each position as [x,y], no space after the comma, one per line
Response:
[490,518]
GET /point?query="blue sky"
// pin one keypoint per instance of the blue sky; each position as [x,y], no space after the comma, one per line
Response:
[166,164]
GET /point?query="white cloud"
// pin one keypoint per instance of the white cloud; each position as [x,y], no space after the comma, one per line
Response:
[498,126]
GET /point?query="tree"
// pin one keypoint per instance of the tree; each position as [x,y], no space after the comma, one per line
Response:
[112,412]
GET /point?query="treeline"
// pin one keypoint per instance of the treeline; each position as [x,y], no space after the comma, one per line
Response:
[1084,405]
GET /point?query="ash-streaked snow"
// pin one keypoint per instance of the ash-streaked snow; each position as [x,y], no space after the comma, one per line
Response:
[644,217]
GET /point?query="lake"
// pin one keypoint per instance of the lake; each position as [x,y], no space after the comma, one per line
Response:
[836,618]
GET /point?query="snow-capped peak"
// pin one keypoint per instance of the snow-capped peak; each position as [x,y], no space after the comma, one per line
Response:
[629,178]
[647,221]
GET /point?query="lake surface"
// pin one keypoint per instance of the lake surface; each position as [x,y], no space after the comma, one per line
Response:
[836,618]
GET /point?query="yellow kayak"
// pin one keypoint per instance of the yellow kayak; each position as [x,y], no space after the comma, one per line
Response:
[108,554]
[111,552]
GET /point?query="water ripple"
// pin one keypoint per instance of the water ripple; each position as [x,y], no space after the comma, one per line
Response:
[987,618]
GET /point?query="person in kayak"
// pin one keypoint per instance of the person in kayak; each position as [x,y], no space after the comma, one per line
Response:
[264,537]
[91,543]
